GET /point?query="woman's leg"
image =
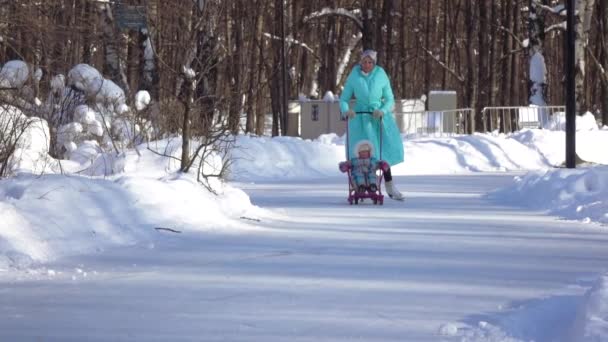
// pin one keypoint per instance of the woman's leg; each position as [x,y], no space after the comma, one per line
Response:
[387,175]
[391,189]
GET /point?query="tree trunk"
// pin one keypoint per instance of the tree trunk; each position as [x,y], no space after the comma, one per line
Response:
[403,57]
[133,59]
[56,65]
[470,62]
[507,46]
[482,60]
[257,23]
[427,45]
[148,71]
[388,19]
[260,110]
[415,28]
[368,14]
[537,83]
[275,73]
[113,64]
[327,72]
[515,76]
[584,10]
[235,44]
[603,15]
[188,100]
[491,70]
[446,46]
[87,37]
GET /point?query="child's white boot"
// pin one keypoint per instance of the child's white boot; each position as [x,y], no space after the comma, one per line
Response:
[392,191]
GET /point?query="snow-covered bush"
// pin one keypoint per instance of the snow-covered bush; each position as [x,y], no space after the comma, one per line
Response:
[86,152]
[18,80]
[85,117]
[14,74]
[100,114]
[23,140]
[142,100]
[86,79]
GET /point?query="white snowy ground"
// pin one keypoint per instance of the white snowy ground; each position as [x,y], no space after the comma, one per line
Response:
[492,244]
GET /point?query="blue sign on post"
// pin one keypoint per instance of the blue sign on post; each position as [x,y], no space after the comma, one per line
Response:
[130,17]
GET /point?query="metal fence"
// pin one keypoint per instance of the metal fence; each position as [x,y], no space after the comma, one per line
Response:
[435,123]
[511,119]
[461,121]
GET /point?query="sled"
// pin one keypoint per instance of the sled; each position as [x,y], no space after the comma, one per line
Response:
[373,193]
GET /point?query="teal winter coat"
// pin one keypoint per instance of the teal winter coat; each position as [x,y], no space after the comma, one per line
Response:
[372,91]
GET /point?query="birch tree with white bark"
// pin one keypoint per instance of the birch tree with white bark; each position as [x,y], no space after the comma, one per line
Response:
[538,69]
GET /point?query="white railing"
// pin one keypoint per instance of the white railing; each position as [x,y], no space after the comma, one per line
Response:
[511,119]
[435,123]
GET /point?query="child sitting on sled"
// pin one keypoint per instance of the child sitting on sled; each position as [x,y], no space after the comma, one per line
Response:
[363,168]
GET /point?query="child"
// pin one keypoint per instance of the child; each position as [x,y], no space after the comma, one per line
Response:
[363,168]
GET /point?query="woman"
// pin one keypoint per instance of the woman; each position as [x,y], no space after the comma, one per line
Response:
[373,94]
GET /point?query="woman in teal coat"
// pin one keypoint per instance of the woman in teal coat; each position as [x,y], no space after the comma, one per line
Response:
[370,86]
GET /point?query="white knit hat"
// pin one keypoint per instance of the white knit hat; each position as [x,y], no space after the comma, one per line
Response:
[371,54]
[364,145]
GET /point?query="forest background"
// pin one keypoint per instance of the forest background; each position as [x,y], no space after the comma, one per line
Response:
[479,48]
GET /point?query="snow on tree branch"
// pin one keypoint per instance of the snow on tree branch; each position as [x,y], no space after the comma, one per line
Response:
[292,41]
[559,26]
[558,9]
[326,11]
[346,57]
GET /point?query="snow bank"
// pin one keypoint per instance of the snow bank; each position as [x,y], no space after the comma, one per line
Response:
[51,216]
[48,217]
[577,194]
[591,324]
[292,158]
[285,157]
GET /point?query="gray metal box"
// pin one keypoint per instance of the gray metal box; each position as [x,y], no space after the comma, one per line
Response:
[439,102]
[320,117]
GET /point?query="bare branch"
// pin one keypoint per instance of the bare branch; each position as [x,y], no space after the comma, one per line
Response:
[443,65]
[513,35]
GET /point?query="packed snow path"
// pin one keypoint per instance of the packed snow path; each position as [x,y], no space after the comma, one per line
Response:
[445,265]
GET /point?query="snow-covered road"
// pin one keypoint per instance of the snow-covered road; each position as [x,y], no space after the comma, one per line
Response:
[445,265]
